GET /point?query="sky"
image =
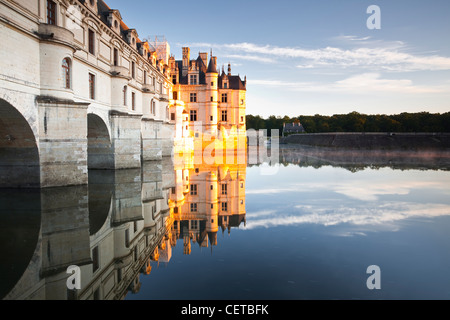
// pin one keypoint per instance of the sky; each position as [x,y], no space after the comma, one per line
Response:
[314,57]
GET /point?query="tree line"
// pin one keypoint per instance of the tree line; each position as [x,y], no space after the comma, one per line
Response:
[357,122]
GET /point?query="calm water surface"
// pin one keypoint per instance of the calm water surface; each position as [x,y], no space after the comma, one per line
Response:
[311,234]
[307,233]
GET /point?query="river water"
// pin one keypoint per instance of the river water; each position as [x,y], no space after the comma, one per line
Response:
[307,229]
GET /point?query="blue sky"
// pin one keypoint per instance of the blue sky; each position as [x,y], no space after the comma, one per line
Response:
[314,57]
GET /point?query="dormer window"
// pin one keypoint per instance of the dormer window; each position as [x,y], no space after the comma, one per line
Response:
[92,4]
[225,85]
[193,79]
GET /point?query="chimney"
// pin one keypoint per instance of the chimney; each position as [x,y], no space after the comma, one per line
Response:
[186,61]
[229,69]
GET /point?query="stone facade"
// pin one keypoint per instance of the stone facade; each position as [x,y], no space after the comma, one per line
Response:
[214,102]
[80,90]
[85,86]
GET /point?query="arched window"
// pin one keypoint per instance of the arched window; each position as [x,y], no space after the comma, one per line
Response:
[66,72]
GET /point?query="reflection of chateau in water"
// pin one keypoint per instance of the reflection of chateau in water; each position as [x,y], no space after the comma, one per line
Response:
[114,228]
[111,229]
[207,198]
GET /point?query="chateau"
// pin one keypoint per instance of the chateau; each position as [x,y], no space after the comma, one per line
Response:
[80,89]
[214,102]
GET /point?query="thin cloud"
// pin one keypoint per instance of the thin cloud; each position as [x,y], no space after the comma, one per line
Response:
[383,57]
[250,58]
[360,84]
[387,214]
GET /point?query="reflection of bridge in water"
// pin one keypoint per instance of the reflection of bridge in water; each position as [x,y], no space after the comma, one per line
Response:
[114,228]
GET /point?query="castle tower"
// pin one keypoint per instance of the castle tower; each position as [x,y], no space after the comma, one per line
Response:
[211,78]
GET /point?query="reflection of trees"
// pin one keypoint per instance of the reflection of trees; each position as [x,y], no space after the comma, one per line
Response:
[358,160]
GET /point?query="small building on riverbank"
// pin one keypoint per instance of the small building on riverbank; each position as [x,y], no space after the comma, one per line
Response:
[292,128]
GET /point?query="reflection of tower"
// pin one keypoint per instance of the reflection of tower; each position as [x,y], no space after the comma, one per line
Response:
[214,197]
[211,203]
[212,93]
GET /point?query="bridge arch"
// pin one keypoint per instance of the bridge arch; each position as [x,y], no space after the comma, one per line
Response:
[100,148]
[19,153]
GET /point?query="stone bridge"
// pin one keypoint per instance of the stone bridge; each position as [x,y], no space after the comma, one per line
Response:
[49,142]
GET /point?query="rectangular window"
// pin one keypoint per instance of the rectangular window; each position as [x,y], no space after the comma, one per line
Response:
[174,79]
[193,97]
[95,259]
[116,57]
[51,12]
[194,224]
[145,77]
[193,207]
[224,97]
[133,101]
[193,189]
[127,238]
[225,85]
[91,86]
[193,79]
[133,69]
[224,116]
[173,190]
[172,116]
[91,41]
[97,294]
[193,115]
[175,95]
[242,119]
[66,72]
[212,99]
[224,189]
[224,206]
